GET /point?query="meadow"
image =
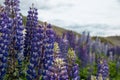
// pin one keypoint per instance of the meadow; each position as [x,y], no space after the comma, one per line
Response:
[34,50]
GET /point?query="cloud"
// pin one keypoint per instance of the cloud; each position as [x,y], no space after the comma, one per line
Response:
[98,29]
[72,14]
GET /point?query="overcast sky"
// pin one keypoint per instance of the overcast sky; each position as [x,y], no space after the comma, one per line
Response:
[100,17]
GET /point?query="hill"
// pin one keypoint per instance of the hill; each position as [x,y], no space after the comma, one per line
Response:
[57,29]
[114,40]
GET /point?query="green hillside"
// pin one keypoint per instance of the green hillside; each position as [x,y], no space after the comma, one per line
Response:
[57,29]
[114,40]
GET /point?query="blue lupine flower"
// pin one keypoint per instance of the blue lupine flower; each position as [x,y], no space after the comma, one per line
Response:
[64,45]
[19,34]
[75,71]
[103,69]
[16,46]
[34,44]
[73,68]
[4,43]
[35,54]
[48,49]
[60,65]
[28,36]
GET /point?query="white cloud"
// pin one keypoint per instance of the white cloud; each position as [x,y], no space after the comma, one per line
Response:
[81,12]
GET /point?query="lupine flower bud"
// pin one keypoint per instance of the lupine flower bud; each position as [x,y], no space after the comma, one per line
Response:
[73,68]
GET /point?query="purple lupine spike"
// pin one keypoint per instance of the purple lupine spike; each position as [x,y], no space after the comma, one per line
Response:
[7,6]
[70,36]
[84,48]
[40,44]
[75,71]
[63,44]
[59,68]
[33,44]
[72,68]
[19,34]
[103,69]
[12,7]
[32,21]
[16,36]
[28,35]
[105,72]
[48,49]
[20,41]
[31,73]
[4,41]
[83,38]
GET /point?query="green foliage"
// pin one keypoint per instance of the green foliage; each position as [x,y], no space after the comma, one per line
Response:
[78,61]
[101,55]
[112,69]
[15,75]
[94,67]
[40,78]
[87,71]
[84,73]
[114,72]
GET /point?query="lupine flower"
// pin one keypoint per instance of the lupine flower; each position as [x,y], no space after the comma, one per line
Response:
[19,41]
[83,38]
[64,45]
[103,69]
[16,46]
[4,43]
[48,49]
[7,6]
[59,68]
[83,49]
[28,36]
[32,20]
[32,73]
[12,7]
[105,73]
[19,37]
[75,71]
[73,67]
[70,36]
[34,46]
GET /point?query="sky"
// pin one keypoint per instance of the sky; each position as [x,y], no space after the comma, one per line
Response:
[99,17]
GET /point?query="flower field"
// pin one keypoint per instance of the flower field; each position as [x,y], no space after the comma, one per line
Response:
[34,51]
